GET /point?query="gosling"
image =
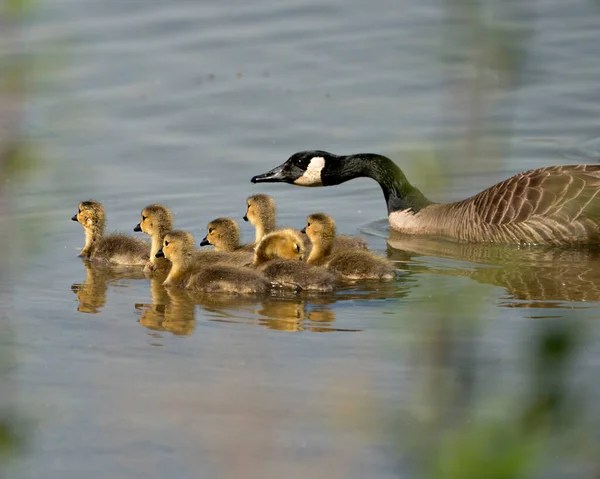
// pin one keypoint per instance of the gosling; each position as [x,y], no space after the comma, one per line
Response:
[156,221]
[261,214]
[350,264]
[279,257]
[115,248]
[189,269]
[224,235]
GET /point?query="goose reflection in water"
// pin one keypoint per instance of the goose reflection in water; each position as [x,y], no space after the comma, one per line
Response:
[533,276]
[91,294]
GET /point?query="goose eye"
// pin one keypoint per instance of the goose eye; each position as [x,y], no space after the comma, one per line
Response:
[297,248]
[166,243]
[210,230]
[307,224]
[78,210]
[144,217]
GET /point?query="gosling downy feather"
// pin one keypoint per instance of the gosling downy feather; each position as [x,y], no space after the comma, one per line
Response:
[279,257]
[115,248]
[203,271]
[156,221]
[350,264]
[261,214]
[224,235]
[556,205]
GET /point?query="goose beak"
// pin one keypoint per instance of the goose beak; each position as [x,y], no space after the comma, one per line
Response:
[246,218]
[137,228]
[205,241]
[275,175]
[303,230]
[160,254]
[74,218]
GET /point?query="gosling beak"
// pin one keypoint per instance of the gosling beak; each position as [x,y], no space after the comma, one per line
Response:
[273,176]
[74,218]
[246,218]
[137,228]
[205,241]
[160,254]
[303,230]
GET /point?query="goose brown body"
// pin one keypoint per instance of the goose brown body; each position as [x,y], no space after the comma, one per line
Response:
[115,248]
[350,264]
[556,205]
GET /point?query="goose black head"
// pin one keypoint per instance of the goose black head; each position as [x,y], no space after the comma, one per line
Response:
[306,168]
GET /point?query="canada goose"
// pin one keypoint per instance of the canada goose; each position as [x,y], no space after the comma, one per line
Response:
[190,269]
[114,248]
[261,214]
[350,264]
[279,257]
[224,235]
[555,205]
[156,221]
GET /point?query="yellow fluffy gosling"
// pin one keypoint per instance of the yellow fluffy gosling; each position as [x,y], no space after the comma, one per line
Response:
[156,221]
[279,257]
[190,269]
[224,235]
[115,248]
[349,264]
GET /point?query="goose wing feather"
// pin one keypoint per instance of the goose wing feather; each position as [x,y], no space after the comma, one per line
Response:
[558,204]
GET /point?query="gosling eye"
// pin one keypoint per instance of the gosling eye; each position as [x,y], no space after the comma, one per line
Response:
[166,243]
[144,217]
[79,211]
[297,248]
[210,230]
[307,224]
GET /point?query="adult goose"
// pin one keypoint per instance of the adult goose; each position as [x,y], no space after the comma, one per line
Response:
[555,205]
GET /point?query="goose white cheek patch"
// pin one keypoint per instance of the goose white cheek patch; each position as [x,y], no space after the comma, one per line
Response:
[312,175]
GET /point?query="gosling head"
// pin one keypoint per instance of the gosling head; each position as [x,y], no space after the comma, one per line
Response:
[319,227]
[177,245]
[261,209]
[223,234]
[90,214]
[156,220]
[284,244]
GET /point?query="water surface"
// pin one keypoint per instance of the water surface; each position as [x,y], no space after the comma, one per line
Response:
[182,103]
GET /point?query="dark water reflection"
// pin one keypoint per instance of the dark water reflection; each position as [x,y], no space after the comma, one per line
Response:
[533,276]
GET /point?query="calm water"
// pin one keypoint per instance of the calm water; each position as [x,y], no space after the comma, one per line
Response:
[181,102]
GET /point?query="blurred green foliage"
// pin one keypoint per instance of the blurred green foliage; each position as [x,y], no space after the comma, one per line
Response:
[457,429]
[16,161]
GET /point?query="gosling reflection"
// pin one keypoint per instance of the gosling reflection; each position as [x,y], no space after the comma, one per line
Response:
[173,309]
[283,315]
[529,274]
[91,294]
[170,310]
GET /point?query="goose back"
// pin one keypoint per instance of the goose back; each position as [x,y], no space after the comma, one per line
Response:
[555,205]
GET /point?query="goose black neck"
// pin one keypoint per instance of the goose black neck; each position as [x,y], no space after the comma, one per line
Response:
[398,192]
